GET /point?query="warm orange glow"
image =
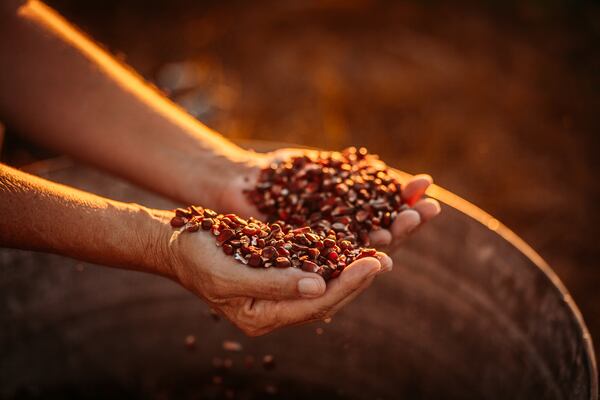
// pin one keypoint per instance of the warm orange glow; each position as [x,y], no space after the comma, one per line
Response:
[462,205]
[446,197]
[486,219]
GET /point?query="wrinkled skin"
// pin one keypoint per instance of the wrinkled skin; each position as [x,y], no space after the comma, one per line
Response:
[259,301]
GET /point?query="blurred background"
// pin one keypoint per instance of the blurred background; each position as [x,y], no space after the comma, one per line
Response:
[498,100]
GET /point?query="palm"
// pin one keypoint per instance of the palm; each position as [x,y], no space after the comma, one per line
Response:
[259,300]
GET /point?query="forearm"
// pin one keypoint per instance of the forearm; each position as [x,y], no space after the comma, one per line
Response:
[63,91]
[36,214]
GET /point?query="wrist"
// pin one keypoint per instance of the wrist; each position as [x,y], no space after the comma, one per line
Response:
[154,242]
[208,177]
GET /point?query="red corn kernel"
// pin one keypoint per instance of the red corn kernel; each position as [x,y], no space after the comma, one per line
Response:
[269,252]
[207,223]
[228,249]
[309,266]
[225,235]
[193,227]
[329,242]
[282,262]
[180,212]
[177,222]
[255,260]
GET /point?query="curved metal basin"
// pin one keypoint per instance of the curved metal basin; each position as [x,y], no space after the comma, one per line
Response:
[470,311]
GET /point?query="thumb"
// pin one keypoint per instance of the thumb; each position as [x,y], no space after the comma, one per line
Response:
[349,284]
[276,284]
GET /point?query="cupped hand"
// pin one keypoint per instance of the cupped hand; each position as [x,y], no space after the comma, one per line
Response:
[260,300]
[420,209]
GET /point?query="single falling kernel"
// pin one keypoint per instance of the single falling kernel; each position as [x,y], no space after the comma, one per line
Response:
[271,389]
[268,362]
[231,345]
[190,342]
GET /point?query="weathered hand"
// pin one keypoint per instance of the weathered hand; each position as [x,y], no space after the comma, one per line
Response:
[259,300]
[421,210]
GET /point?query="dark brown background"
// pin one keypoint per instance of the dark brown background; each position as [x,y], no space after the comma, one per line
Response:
[497,100]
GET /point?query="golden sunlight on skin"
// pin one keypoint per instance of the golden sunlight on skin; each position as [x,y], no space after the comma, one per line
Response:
[127,78]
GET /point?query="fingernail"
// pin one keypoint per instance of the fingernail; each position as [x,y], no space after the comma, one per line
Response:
[375,270]
[427,177]
[413,221]
[309,287]
[385,261]
[438,207]
[412,227]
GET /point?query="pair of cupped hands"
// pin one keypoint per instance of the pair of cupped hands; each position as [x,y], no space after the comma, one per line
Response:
[259,300]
